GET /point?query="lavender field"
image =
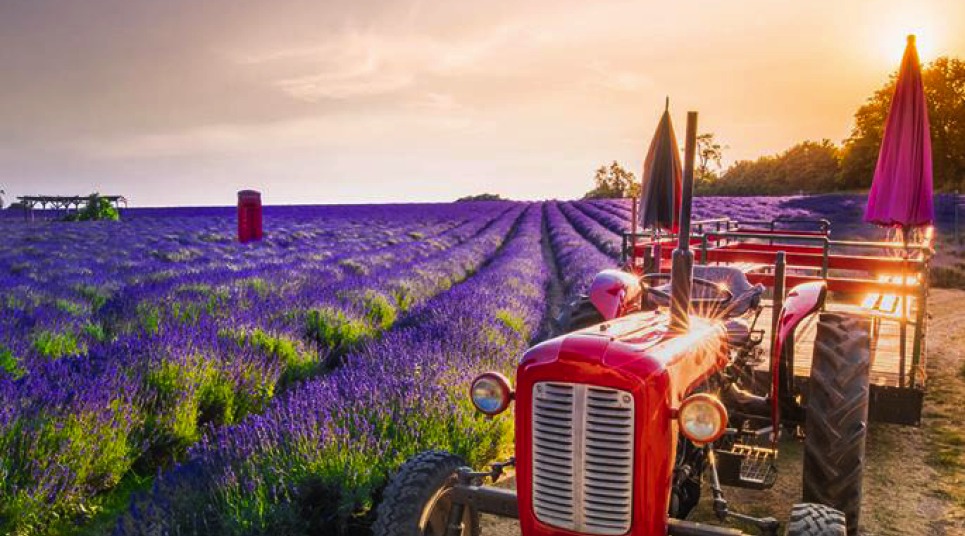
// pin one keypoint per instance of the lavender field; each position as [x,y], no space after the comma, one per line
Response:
[157,377]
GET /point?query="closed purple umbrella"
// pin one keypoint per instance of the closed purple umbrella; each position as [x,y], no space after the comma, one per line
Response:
[660,193]
[901,193]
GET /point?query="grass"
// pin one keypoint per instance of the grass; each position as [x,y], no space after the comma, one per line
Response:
[299,362]
[70,307]
[10,365]
[100,516]
[334,330]
[55,345]
[943,423]
[62,438]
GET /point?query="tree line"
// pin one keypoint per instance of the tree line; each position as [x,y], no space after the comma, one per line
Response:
[823,166]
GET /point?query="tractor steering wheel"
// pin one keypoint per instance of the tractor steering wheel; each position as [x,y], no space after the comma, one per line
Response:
[720,298]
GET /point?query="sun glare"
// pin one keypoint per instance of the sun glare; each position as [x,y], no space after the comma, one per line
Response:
[892,36]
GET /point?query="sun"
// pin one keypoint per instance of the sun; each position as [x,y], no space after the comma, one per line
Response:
[893,33]
[893,47]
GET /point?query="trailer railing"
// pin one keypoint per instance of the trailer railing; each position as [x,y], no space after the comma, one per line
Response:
[899,269]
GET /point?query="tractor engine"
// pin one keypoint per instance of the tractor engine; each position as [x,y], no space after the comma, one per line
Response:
[597,421]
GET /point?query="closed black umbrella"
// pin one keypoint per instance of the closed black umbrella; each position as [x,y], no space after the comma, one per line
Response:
[662,172]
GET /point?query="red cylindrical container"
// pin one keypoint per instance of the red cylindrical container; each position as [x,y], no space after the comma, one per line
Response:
[249,216]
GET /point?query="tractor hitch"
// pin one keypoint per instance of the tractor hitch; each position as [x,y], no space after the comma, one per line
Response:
[485,499]
[768,526]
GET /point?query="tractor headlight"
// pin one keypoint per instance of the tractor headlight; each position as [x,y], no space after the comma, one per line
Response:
[702,418]
[491,393]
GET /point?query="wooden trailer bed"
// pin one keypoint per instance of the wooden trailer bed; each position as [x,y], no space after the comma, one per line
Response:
[886,366]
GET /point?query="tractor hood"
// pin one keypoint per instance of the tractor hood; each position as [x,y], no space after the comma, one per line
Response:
[640,345]
[636,361]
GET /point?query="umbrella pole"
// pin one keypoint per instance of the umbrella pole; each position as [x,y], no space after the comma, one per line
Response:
[903,320]
[682,263]
[633,234]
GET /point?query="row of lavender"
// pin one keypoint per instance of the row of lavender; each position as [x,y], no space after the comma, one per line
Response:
[207,344]
[844,211]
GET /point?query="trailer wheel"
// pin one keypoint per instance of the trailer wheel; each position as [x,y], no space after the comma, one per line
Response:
[809,519]
[416,502]
[579,314]
[837,415]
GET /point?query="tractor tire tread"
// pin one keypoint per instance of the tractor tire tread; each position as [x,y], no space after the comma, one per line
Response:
[411,487]
[809,519]
[837,415]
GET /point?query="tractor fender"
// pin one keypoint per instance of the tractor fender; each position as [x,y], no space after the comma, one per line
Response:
[614,293]
[803,301]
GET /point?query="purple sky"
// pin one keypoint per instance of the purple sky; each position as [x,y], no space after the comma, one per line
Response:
[181,102]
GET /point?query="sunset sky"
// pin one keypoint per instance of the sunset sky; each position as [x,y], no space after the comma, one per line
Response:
[183,102]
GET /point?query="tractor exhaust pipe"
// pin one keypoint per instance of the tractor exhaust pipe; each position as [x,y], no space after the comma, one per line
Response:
[682,269]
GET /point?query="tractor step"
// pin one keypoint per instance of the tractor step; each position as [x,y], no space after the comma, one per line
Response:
[747,466]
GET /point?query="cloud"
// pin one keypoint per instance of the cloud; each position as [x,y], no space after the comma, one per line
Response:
[313,88]
[359,64]
[326,132]
[618,79]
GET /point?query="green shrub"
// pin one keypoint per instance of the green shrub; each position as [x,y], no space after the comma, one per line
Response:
[95,331]
[299,363]
[10,365]
[333,330]
[56,345]
[512,321]
[379,310]
[70,307]
[98,209]
[54,442]
[216,400]
[173,424]
[148,318]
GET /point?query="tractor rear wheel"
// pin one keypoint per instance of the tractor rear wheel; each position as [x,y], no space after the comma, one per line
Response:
[416,502]
[837,415]
[579,314]
[810,519]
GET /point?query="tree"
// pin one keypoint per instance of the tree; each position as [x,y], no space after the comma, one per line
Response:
[2,193]
[809,166]
[709,152]
[613,182]
[481,197]
[98,209]
[944,82]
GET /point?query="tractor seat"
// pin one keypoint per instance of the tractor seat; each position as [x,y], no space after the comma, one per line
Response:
[744,295]
[738,334]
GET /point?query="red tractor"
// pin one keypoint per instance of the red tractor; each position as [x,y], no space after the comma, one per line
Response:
[672,378]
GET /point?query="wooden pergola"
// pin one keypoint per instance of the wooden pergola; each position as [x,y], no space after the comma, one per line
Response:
[59,203]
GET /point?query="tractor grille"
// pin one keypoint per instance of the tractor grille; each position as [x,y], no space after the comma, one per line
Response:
[582,457]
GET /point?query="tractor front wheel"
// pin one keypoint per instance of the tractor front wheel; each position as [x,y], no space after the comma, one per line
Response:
[810,519]
[416,501]
[837,415]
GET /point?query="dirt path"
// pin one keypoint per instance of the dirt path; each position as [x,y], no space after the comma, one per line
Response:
[554,291]
[916,481]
